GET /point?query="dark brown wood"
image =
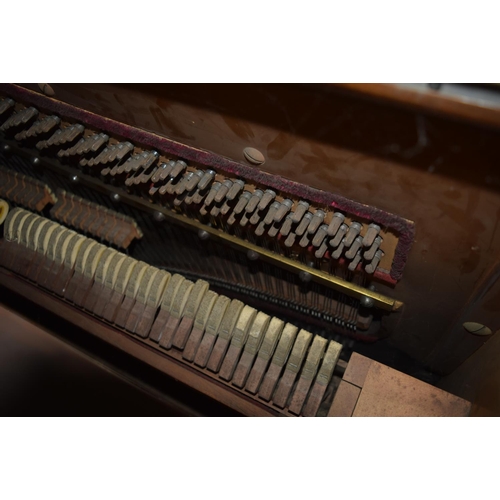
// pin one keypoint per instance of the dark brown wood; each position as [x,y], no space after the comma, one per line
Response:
[416,160]
[166,364]
[478,380]
[428,100]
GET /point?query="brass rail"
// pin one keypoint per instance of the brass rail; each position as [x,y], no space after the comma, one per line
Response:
[316,275]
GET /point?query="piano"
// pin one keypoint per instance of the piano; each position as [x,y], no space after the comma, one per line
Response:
[283,250]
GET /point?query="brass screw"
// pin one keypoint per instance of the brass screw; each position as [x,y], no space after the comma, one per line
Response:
[253,156]
[46,89]
[476,328]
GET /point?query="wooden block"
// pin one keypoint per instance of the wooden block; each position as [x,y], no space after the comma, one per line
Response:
[21,258]
[323,378]
[211,331]
[292,368]
[224,335]
[200,322]
[140,300]
[116,297]
[45,274]
[195,298]
[100,274]
[345,400]
[357,369]
[131,290]
[80,262]
[238,341]
[152,303]
[87,277]
[176,312]
[389,393]
[42,248]
[278,361]
[252,346]
[59,257]
[67,268]
[166,303]
[34,244]
[13,227]
[264,355]
[110,279]
[309,370]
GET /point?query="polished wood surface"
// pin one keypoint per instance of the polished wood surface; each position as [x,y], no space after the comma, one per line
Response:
[431,168]
[166,364]
[44,376]
[429,100]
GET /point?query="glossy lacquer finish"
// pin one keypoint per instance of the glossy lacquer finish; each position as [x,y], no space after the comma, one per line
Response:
[437,169]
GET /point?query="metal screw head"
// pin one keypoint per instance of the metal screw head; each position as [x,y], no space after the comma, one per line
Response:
[252,255]
[253,156]
[477,328]
[366,301]
[46,89]
[203,235]
[115,197]
[5,148]
[36,161]
[74,179]
[158,217]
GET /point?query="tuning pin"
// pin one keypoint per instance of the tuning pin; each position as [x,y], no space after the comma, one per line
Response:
[354,263]
[354,230]
[180,187]
[244,220]
[194,180]
[237,186]
[335,223]
[207,178]
[370,253]
[339,250]
[223,190]
[215,211]
[273,230]
[269,218]
[303,224]
[259,230]
[231,219]
[353,249]
[254,201]
[224,209]
[320,235]
[163,172]
[255,218]
[290,240]
[283,209]
[268,196]
[316,221]
[304,241]
[5,105]
[21,117]
[339,236]
[287,225]
[371,234]
[320,252]
[178,168]
[302,208]
[211,195]
[242,202]
[370,268]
